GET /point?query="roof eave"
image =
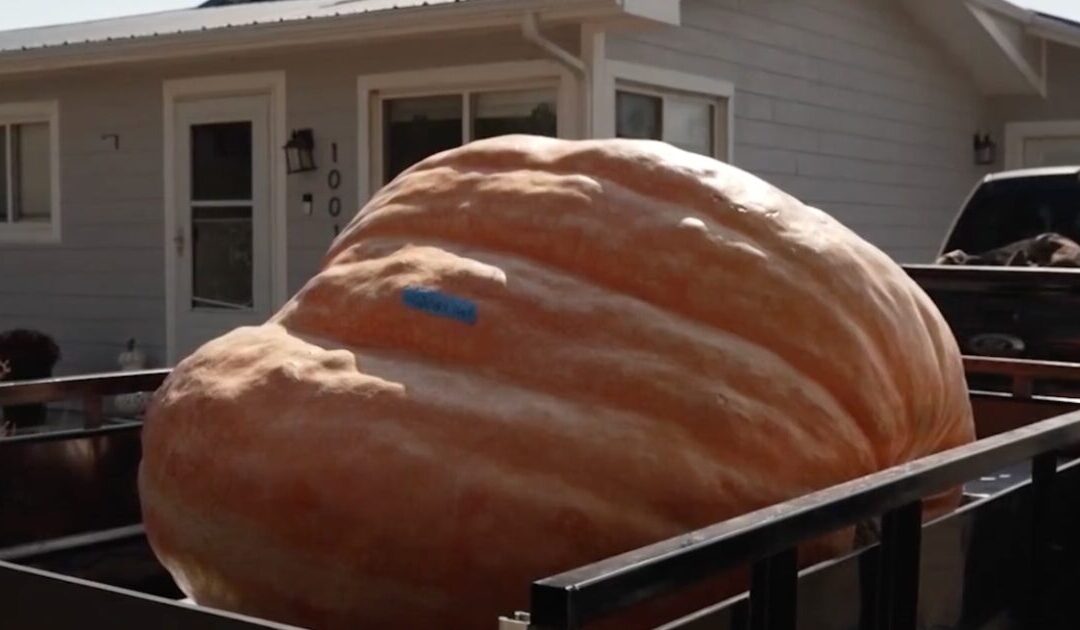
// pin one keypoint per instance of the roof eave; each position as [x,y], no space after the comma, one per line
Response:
[991,40]
[1054,31]
[1001,45]
[336,29]
[1023,52]
[1036,24]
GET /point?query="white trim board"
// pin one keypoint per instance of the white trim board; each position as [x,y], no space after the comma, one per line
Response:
[666,79]
[174,90]
[671,79]
[510,75]
[1017,132]
[36,112]
[599,105]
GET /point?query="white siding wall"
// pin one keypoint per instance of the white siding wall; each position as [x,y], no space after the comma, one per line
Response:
[105,281]
[844,103]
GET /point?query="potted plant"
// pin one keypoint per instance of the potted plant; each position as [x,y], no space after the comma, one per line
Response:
[26,355]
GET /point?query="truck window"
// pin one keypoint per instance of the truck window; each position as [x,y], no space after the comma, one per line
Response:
[1008,210]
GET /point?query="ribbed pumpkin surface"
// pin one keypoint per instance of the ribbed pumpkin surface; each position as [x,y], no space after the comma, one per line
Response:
[627,342]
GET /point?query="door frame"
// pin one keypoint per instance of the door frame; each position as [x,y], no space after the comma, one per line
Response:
[271,85]
[1016,133]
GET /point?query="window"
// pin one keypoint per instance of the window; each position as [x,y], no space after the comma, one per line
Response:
[690,112]
[687,122]
[28,184]
[1009,210]
[415,127]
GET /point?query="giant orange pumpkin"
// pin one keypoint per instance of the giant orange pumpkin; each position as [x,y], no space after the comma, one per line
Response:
[524,355]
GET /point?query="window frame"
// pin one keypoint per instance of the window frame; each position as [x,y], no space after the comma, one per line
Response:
[464,81]
[664,83]
[47,112]
[465,95]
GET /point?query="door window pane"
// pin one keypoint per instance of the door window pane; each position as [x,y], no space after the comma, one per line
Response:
[638,116]
[415,128]
[520,111]
[31,172]
[221,161]
[3,175]
[222,258]
[688,124]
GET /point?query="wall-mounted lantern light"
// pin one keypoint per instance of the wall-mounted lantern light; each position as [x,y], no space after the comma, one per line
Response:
[985,150]
[300,151]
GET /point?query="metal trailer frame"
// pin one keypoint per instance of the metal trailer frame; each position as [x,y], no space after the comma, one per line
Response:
[768,538]
[90,390]
[765,539]
[33,598]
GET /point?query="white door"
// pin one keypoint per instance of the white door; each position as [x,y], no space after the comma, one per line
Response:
[1052,151]
[1037,144]
[221,231]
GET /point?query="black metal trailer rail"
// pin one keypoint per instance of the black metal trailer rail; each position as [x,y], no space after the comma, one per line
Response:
[32,599]
[90,390]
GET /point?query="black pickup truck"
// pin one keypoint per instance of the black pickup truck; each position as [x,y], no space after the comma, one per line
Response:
[1020,311]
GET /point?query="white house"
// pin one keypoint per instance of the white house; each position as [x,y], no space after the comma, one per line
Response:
[144,190]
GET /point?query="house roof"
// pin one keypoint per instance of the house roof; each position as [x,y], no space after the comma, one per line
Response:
[199,19]
[1057,18]
[999,43]
[235,27]
[222,3]
[213,15]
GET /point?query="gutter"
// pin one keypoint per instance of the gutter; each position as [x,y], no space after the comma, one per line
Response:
[530,31]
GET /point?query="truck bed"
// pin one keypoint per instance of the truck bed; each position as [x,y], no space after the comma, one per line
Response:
[1015,312]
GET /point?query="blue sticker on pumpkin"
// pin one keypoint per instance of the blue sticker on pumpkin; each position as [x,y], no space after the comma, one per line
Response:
[440,304]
